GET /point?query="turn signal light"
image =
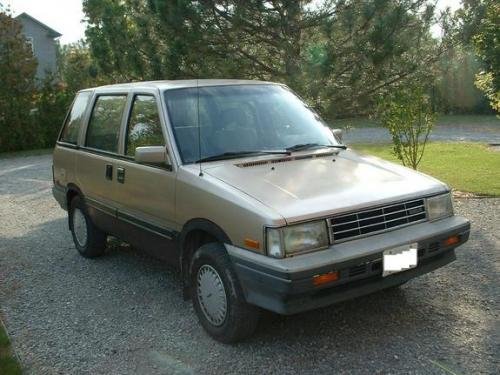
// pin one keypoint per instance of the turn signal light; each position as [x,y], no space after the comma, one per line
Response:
[452,240]
[325,278]
[252,244]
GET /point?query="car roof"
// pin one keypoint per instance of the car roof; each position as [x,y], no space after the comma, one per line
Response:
[176,84]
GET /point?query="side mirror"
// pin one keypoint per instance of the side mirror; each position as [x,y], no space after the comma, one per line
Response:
[337,133]
[152,155]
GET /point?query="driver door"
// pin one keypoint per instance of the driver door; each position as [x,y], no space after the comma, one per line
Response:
[146,193]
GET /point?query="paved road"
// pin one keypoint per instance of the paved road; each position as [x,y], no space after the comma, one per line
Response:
[123,313]
[486,133]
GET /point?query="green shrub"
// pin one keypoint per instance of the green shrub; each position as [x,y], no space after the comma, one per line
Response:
[406,112]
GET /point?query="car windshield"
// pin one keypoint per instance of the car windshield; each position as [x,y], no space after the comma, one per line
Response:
[241,120]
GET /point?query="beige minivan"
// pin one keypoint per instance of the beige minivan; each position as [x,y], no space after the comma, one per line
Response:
[250,194]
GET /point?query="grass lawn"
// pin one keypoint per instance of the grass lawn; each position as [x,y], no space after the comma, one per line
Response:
[468,167]
[8,363]
[454,120]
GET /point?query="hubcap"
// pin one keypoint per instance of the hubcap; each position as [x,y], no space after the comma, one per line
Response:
[211,295]
[80,227]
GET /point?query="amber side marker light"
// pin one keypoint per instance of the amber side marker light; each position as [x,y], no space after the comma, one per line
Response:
[452,240]
[325,278]
[252,244]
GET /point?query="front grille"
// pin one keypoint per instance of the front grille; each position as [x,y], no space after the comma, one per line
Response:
[379,219]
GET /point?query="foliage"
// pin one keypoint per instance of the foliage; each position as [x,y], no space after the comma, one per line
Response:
[454,91]
[32,111]
[8,363]
[485,81]
[51,103]
[487,43]
[337,54]
[407,114]
[77,70]
[445,161]
[17,72]
[481,20]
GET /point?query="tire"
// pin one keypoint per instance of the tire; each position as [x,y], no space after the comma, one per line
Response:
[89,240]
[226,317]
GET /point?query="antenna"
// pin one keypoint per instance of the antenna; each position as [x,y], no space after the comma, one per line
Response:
[199,125]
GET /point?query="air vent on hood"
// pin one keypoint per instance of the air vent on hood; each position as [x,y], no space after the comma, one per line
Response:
[285,159]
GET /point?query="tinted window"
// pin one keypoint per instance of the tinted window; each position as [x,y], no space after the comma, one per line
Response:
[104,127]
[75,118]
[144,128]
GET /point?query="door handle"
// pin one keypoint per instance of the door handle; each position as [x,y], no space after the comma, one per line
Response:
[109,172]
[120,175]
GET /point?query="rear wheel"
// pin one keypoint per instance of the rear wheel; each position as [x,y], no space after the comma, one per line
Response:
[217,296]
[89,240]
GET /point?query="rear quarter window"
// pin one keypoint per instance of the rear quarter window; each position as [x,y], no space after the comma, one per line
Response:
[74,120]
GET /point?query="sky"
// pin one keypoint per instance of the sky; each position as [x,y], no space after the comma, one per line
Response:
[65,16]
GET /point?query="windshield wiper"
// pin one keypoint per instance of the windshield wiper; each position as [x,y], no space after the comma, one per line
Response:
[305,146]
[235,154]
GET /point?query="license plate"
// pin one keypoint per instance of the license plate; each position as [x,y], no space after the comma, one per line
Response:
[399,259]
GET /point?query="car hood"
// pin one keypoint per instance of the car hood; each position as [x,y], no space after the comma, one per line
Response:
[309,186]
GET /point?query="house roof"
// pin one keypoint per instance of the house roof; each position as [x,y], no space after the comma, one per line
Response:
[52,33]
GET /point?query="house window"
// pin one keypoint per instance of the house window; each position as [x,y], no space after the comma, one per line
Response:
[29,42]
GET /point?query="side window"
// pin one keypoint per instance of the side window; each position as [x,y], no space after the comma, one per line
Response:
[103,131]
[74,120]
[144,127]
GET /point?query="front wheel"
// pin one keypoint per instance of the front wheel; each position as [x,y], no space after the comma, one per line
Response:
[217,296]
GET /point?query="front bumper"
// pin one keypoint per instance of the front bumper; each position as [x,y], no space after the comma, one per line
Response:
[285,285]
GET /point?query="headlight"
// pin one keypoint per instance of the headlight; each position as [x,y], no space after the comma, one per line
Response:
[295,239]
[439,207]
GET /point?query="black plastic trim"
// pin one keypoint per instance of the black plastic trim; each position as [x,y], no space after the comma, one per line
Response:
[203,225]
[102,152]
[164,232]
[129,159]
[101,206]
[273,294]
[288,293]
[67,145]
[206,226]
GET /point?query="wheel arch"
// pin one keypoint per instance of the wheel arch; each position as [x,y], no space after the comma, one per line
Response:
[197,232]
[72,191]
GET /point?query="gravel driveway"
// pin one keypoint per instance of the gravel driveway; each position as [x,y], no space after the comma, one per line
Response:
[124,314]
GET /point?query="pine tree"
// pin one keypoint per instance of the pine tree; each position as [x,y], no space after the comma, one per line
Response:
[17,87]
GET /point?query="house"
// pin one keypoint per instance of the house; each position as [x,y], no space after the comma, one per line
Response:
[43,41]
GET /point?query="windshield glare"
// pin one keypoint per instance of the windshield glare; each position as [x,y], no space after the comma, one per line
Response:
[241,118]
